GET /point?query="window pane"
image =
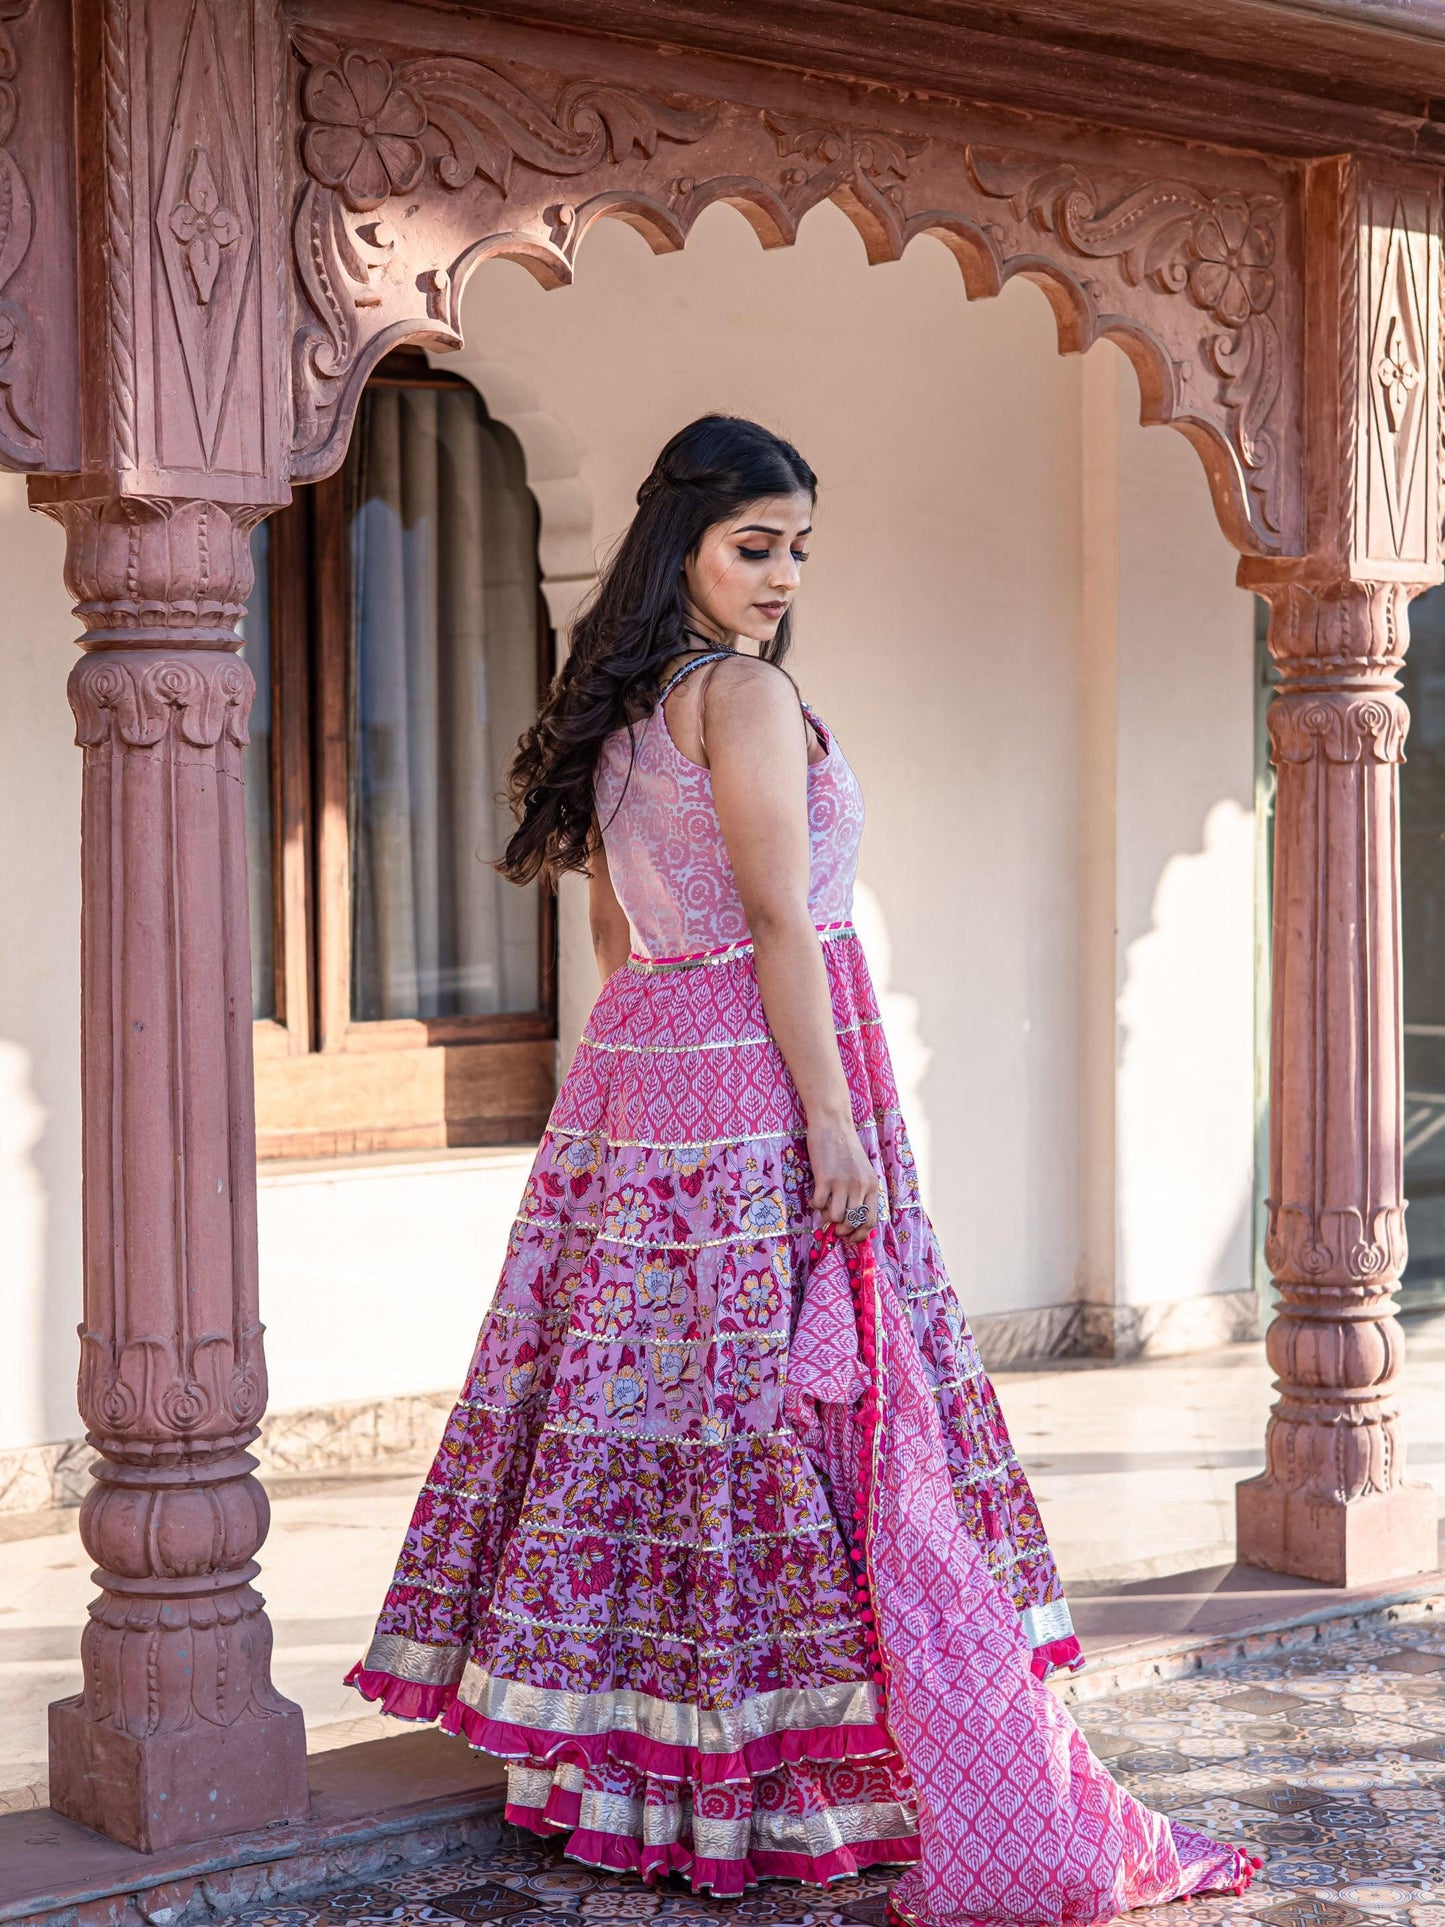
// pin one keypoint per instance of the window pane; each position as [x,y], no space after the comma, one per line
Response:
[443,679]
[1422,864]
[256,761]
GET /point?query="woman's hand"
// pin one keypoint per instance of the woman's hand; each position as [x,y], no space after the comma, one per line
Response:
[843,1177]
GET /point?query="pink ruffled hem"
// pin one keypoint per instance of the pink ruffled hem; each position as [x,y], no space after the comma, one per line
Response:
[406,1700]
[621,1853]
[1057,1656]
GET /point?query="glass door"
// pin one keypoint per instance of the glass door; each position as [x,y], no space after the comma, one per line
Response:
[1422,865]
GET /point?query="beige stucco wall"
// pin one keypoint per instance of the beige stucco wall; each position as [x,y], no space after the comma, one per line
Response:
[991,518]
[1166,937]
[937,635]
[1026,637]
[39,984]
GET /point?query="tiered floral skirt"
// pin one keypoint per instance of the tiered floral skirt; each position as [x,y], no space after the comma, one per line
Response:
[630,1572]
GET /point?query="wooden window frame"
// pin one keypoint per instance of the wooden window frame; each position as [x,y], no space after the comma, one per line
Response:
[327,1086]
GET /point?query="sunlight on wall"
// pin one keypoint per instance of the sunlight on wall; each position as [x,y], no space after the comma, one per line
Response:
[901,1026]
[22,1251]
[1185,1191]
[376,1276]
[39,981]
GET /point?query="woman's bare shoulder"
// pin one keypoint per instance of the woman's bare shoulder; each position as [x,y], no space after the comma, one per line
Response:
[748,687]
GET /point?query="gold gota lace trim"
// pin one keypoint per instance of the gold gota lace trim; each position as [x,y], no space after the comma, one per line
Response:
[722,1043]
[763,1338]
[655,966]
[420,1585]
[677,1244]
[671,1822]
[414,1661]
[684,1545]
[490,1405]
[651,1435]
[689,1144]
[513,1702]
[670,1722]
[632,1629]
[820,1833]
[1041,1624]
[958,1384]
[533,1317]
[980,1475]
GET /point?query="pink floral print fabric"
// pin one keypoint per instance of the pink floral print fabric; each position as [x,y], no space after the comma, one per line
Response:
[669,865]
[629,1572]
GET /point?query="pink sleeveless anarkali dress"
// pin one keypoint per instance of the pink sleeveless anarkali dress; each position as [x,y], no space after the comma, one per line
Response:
[725,1550]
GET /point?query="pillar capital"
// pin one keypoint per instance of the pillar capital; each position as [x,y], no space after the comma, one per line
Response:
[168,571]
[1332,629]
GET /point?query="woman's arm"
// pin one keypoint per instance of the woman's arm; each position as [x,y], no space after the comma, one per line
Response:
[758,753]
[611,936]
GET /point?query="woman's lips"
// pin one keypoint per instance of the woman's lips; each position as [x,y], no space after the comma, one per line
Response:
[771,609]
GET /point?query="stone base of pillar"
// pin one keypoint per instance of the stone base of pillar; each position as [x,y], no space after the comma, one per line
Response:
[1356,1542]
[174,1788]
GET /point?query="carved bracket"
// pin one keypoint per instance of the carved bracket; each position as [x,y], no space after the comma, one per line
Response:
[373,130]
[1217,252]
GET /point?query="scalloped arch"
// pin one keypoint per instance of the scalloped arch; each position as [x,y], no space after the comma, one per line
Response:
[1184,268]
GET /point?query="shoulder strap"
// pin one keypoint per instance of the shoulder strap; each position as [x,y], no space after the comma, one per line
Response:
[712,655]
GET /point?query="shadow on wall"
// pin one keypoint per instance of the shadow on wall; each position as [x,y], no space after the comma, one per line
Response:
[1186,1191]
[40,1228]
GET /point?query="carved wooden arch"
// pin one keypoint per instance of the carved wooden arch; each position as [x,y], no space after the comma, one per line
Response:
[415,167]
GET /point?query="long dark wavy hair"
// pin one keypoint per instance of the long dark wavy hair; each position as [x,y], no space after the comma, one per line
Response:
[634,621]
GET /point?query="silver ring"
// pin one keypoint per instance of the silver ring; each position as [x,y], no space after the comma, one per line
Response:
[858,1216]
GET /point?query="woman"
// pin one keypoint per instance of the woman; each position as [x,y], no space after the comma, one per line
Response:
[725,1550]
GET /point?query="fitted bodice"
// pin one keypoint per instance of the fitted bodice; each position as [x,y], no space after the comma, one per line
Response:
[665,850]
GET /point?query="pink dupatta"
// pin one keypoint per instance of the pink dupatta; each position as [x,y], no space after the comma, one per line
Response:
[1018,1822]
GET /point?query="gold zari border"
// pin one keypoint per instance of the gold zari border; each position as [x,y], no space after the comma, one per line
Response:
[660,1823]
[655,966]
[513,1702]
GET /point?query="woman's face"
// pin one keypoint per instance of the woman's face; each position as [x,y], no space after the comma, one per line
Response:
[745,574]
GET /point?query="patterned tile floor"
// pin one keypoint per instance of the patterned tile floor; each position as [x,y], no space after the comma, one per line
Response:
[1331,1764]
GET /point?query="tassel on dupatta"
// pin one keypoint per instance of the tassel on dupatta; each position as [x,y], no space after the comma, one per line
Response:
[1020,1826]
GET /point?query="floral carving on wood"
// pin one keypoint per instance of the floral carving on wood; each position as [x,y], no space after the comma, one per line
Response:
[203,227]
[142,702]
[374,129]
[862,165]
[204,224]
[1396,360]
[19,429]
[1218,251]
[363,131]
[1340,729]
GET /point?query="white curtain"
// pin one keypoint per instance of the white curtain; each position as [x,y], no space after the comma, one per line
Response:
[443,681]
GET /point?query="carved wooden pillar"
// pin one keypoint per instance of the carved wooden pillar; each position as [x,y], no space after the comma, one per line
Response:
[178,1734]
[1334,1503]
